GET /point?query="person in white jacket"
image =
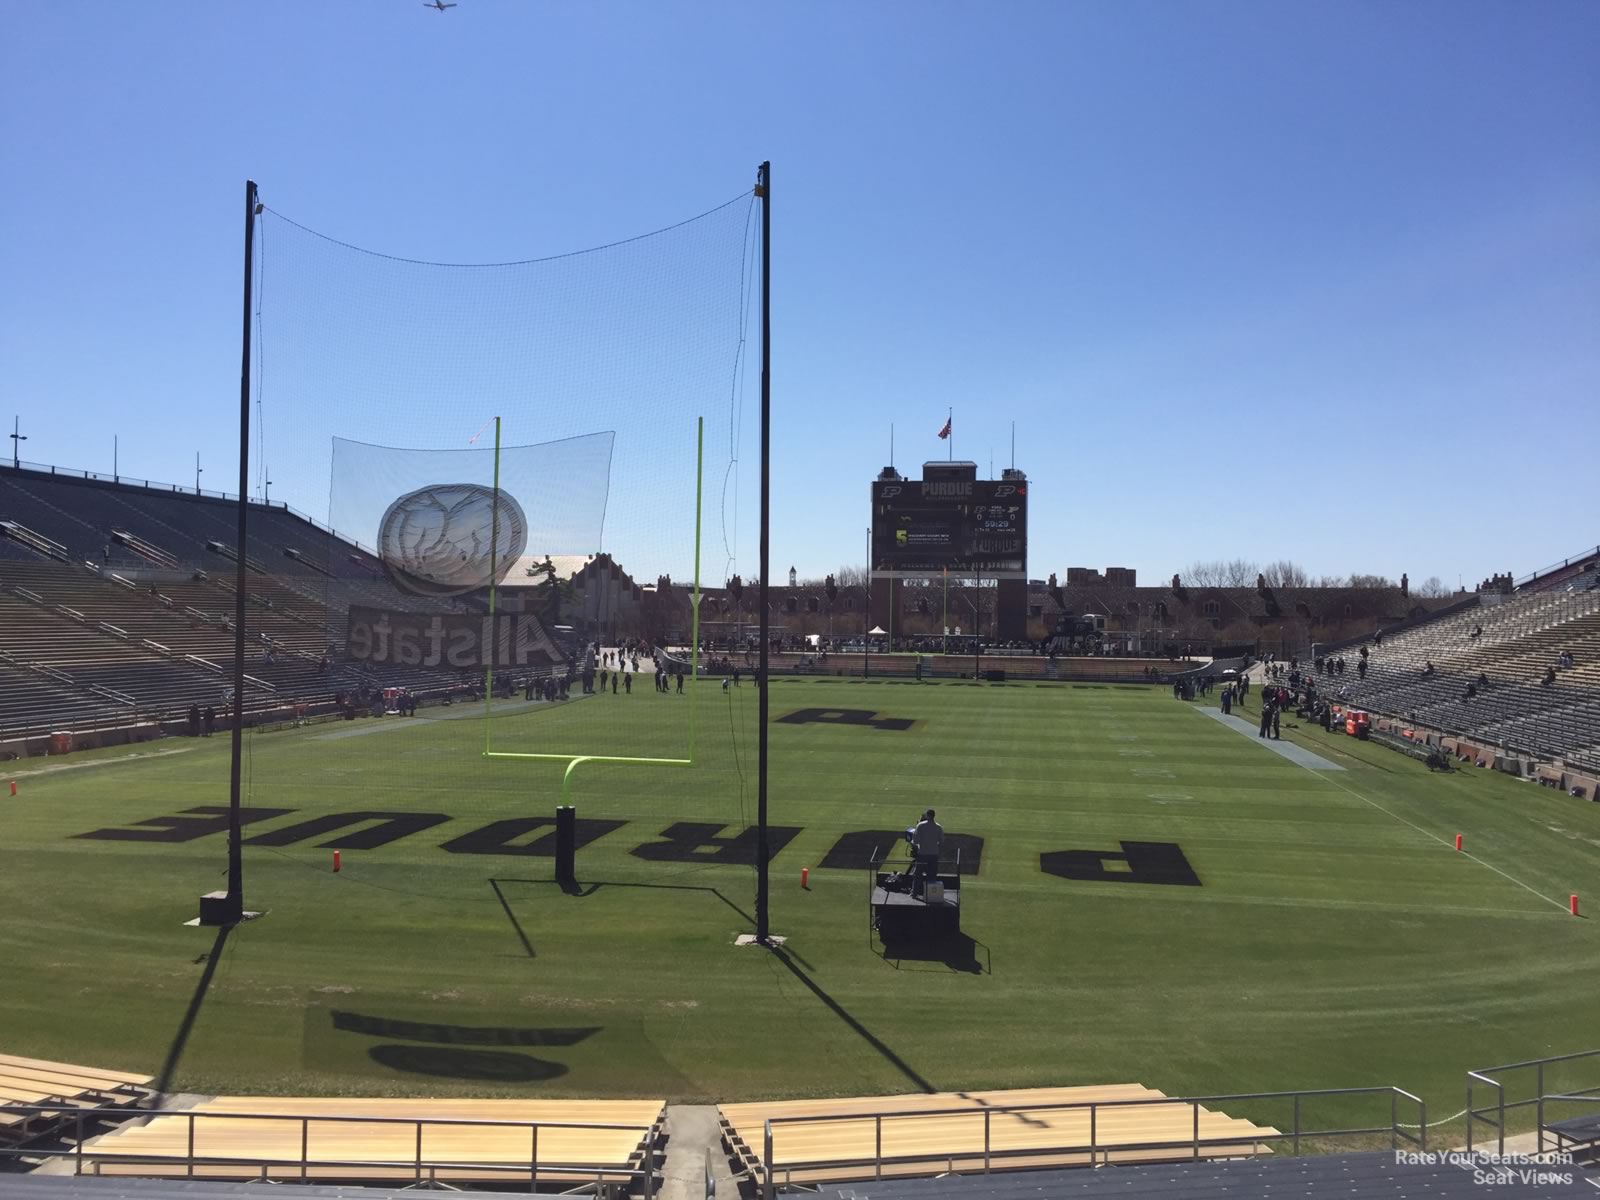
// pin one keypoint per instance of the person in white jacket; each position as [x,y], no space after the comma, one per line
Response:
[927,840]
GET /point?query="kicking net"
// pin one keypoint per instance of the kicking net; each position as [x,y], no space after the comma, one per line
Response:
[527,468]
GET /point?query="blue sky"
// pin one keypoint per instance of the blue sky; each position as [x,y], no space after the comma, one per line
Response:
[1188,248]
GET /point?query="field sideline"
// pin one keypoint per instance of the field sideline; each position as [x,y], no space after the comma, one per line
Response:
[1333,939]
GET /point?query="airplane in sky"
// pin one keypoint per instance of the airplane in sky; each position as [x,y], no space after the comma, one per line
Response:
[437,5]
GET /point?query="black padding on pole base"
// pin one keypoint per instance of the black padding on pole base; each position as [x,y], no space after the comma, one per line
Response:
[566,844]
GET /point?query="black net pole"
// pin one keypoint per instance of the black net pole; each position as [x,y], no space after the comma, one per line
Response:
[763,927]
[235,902]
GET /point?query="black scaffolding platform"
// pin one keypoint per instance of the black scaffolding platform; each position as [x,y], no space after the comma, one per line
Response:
[903,909]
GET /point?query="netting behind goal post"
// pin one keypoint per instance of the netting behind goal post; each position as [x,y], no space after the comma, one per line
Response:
[519,461]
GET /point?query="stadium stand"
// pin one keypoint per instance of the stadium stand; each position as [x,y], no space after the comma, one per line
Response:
[117,601]
[62,1091]
[835,1141]
[1319,1177]
[87,1187]
[1574,573]
[1363,1176]
[1508,662]
[448,1141]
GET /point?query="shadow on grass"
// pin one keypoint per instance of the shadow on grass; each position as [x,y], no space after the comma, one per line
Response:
[454,1062]
[512,917]
[957,953]
[186,1026]
[782,955]
[583,890]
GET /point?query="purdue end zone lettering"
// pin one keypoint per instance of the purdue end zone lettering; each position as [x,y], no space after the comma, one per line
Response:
[1139,862]
[682,841]
[864,717]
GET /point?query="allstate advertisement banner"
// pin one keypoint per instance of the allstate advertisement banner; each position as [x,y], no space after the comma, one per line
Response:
[454,640]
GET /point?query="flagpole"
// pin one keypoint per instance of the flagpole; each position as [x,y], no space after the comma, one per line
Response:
[949,420]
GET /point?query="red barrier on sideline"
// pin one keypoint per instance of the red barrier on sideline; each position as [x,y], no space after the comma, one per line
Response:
[336,863]
[1458,841]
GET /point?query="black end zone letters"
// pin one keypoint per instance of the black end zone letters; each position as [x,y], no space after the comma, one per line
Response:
[697,842]
[1139,862]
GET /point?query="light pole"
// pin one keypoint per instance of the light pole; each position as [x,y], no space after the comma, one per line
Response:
[197,470]
[17,438]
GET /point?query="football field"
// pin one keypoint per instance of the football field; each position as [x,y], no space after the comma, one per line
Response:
[1232,920]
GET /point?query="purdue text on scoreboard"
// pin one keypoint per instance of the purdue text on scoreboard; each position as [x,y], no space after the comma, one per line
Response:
[974,527]
[381,635]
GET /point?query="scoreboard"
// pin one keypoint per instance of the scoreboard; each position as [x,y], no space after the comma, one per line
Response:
[965,526]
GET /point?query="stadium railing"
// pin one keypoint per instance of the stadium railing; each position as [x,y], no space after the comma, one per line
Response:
[424,1170]
[1494,1114]
[175,488]
[1585,556]
[1398,1132]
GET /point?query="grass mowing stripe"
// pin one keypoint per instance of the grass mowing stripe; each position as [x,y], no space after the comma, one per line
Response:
[1446,844]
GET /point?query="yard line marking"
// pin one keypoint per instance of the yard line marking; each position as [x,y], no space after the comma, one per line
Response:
[1446,844]
[1321,773]
[99,762]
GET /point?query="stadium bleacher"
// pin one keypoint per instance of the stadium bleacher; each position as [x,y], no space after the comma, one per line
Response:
[38,1096]
[1317,1177]
[455,1141]
[117,604]
[866,1138]
[1520,639]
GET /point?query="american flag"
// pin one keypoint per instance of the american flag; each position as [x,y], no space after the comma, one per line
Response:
[944,431]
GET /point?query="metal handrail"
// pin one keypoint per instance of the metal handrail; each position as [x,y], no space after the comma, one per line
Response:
[417,1164]
[1483,1075]
[1094,1147]
[1543,571]
[1537,1062]
[431,1167]
[174,489]
[1476,1115]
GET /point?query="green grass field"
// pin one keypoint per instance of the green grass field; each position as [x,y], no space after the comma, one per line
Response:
[1335,939]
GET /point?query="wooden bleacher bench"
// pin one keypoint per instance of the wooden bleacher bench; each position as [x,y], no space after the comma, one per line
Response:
[942,1140]
[350,1150]
[64,1087]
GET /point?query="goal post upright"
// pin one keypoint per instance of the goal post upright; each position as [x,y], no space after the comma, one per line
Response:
[694,616]
[574,761]
[494,580]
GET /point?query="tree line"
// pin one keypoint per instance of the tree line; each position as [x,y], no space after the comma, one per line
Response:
[1243,572]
